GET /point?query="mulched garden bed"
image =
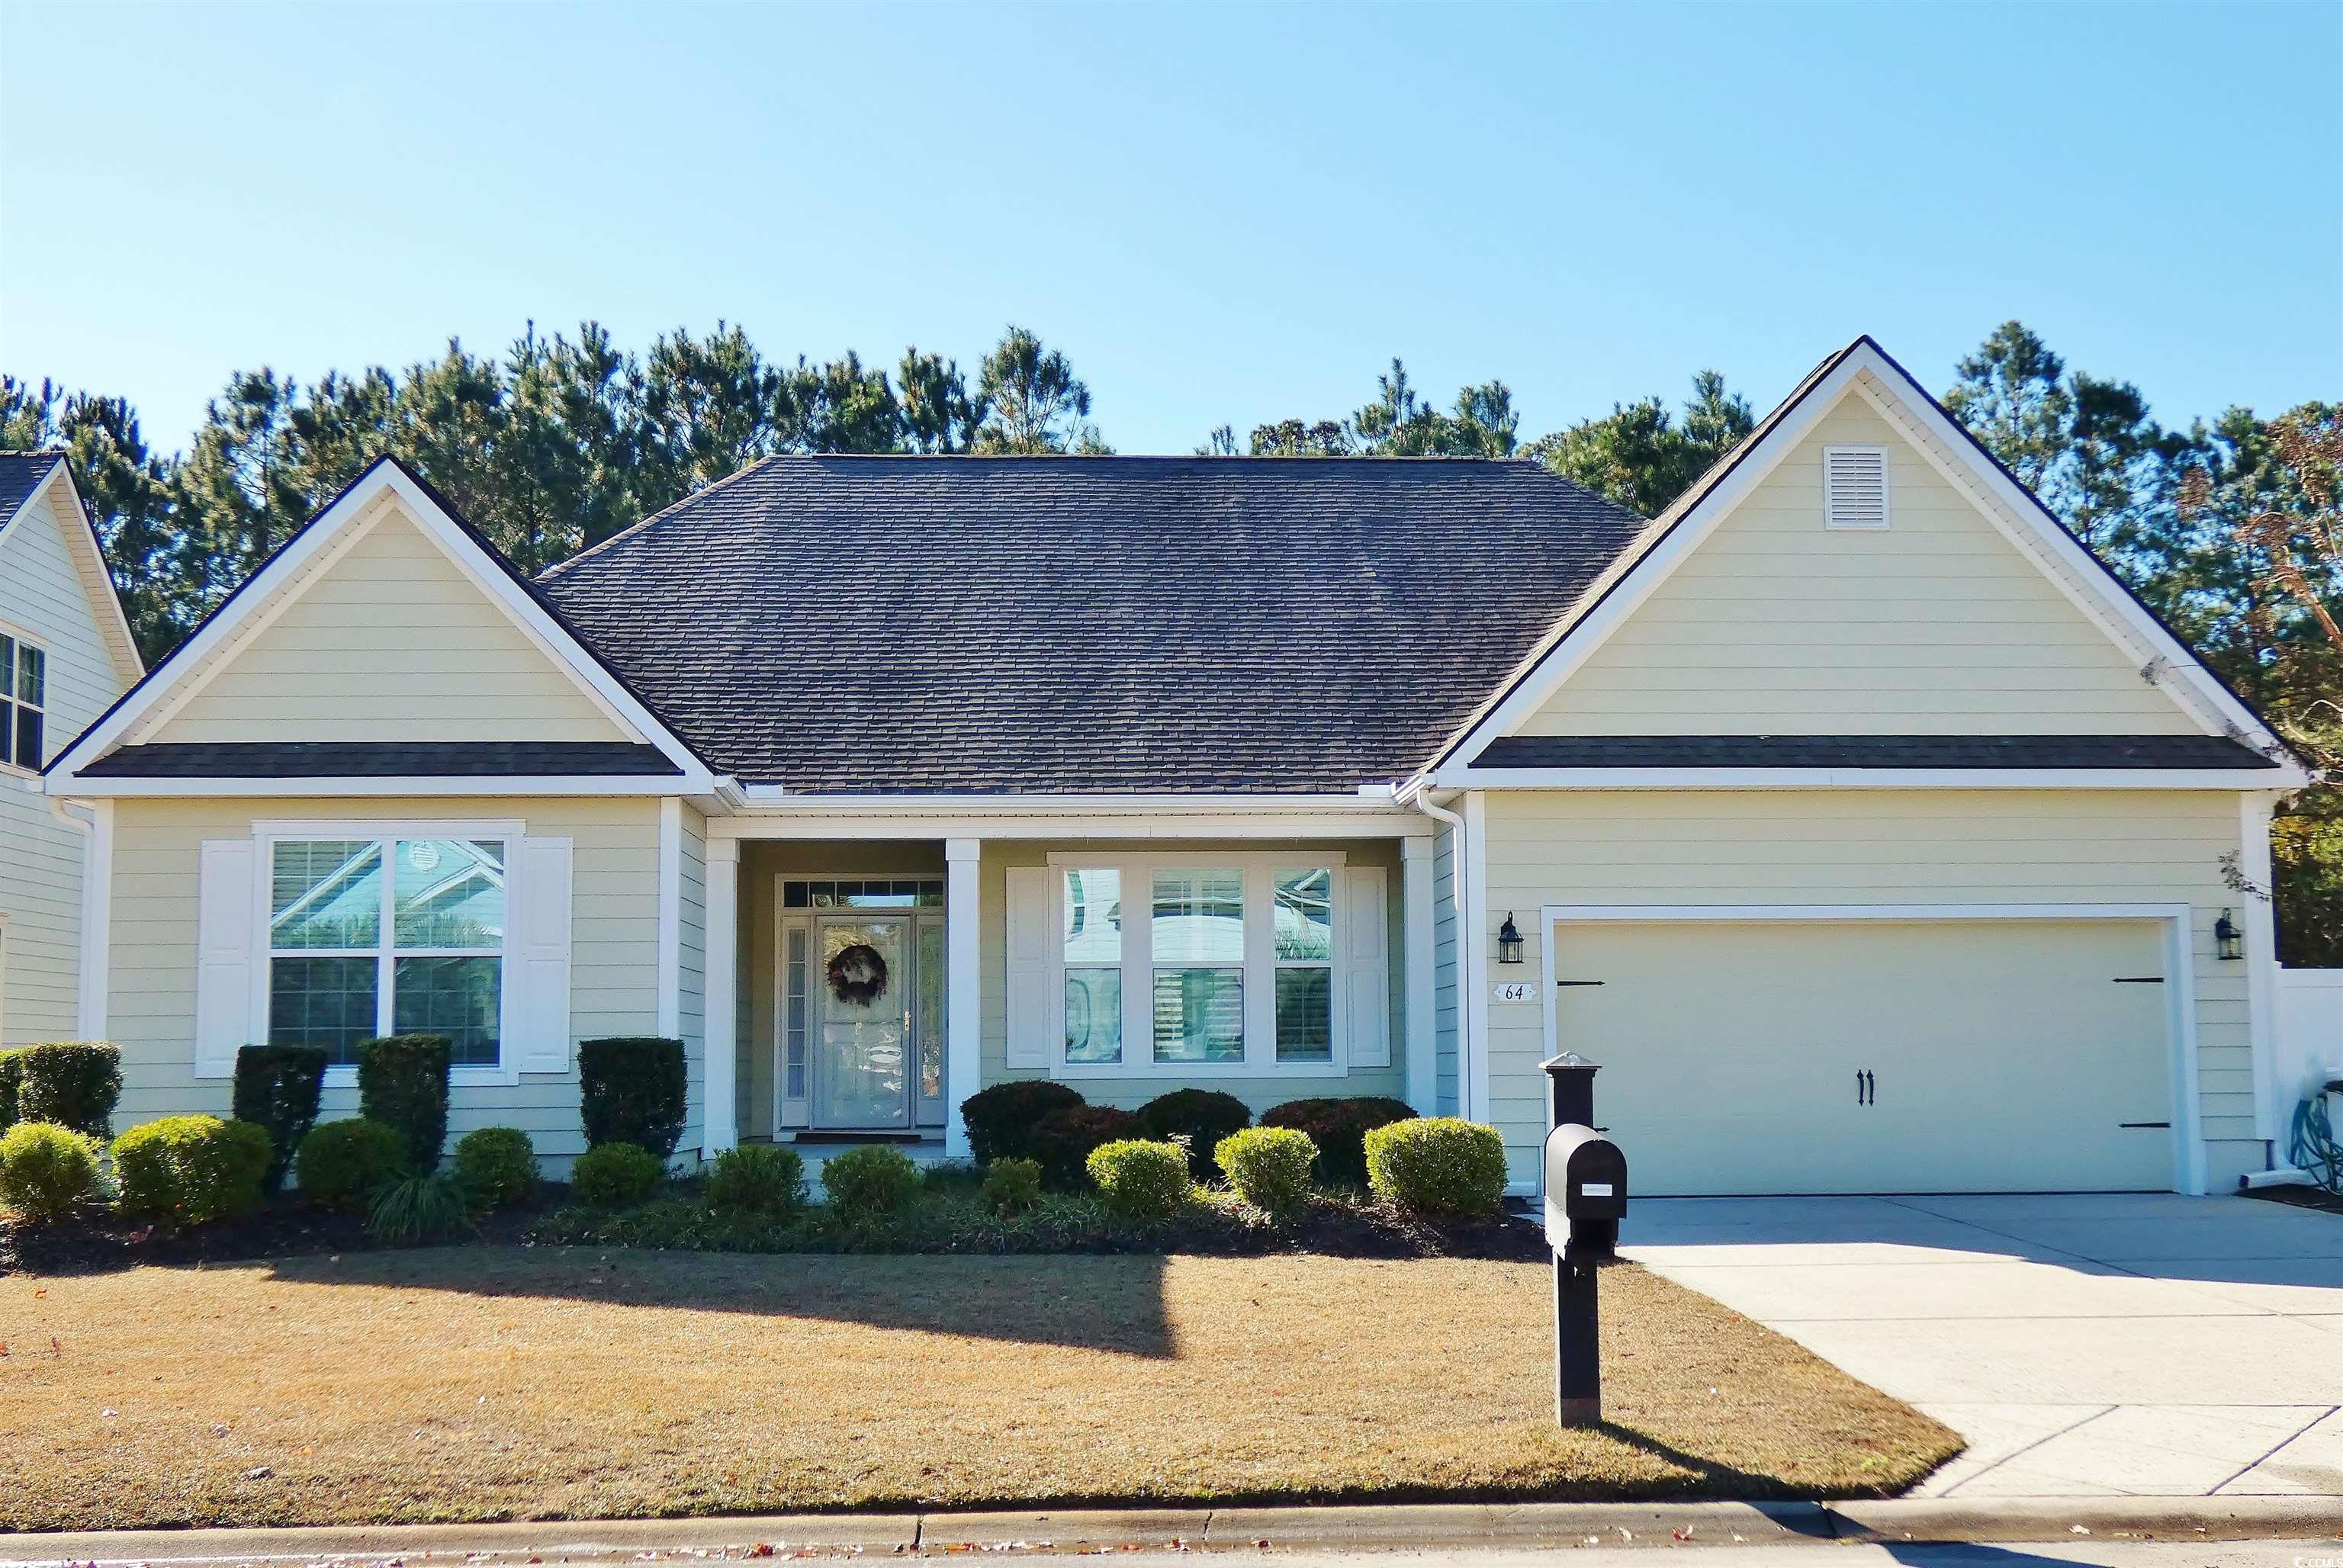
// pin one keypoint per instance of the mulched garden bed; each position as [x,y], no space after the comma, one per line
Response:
[102,1237]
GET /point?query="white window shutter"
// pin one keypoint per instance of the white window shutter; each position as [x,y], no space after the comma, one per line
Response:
[536,998]
[227,904]
[1854,487]
[1029,966]
[1367,965]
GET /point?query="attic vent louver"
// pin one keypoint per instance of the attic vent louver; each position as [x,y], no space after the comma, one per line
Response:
[1854,487]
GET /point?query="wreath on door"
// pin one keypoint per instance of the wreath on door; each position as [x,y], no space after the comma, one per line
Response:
[856,974]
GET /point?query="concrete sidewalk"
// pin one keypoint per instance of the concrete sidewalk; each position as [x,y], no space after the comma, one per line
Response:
[1459,1528]
[2131,1344]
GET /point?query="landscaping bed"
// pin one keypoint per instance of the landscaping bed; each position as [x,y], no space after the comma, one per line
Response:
[504,1382]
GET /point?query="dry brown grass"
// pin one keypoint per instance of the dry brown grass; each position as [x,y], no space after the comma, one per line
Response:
[489,1382]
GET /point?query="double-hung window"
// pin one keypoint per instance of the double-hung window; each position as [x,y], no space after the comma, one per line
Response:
[23,702]
[382,935]
[1199,966]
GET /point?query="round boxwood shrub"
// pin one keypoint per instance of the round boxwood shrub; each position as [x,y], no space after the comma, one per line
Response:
[403,1084]
[73,1083]
[1143,1179]
[497,1166]
[630,1090]
[344,1163]
[1012,1186]
[1268,1167]
[866,1183]
[613,1175]
[757,1178]
[46,1172]
[1339,1128]
[1437,1165]
[1202,1117]
[1001,1119]
[1063,1140]
[191,1170]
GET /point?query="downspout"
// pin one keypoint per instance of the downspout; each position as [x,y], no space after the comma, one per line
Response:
[1413,794]
[89,976]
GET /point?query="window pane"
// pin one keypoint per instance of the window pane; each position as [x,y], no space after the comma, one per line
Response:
[1305,908]
[7,666]
[932,1010]
[326,895]
[1199,1015]
[1094,916]
[457,997]
[450,893]
[7,732]
[1199,916]
[1094,1015]
[31,675]
[794,1087]
[326,1002]
[1305,1015]
[28,737]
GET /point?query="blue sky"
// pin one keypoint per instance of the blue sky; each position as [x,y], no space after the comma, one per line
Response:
[1222,212]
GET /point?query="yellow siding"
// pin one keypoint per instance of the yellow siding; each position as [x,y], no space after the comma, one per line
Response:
[614,942]
[390,642]
[1778,626]
[1864,846]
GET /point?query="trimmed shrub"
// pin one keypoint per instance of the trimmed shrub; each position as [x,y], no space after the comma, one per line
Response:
[278,1086]
[73,1083]
[1437,1165]
[1012,1186]
[630,1090]
[1201,1117]
[46,1172]
[413,1208]
[11,1070]
[1001,1119]
[1268,1167]
[344,1163]
[757,1178]
[1339,1128]
[1063,1140]
[612,1175]
[1143,1179]
[403,1084]
[873,1179]
[191,1170]
[496,1165]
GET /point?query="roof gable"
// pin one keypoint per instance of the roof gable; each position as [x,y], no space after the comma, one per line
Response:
[26,479]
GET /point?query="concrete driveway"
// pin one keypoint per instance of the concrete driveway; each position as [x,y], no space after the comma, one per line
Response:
[2085,1345]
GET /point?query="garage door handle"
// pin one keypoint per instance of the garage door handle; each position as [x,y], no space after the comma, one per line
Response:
[1866,1086]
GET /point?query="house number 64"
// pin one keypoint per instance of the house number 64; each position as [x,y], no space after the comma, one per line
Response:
[1513,990]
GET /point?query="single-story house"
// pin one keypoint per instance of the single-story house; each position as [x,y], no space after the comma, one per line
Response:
[1861,826]
[65,655]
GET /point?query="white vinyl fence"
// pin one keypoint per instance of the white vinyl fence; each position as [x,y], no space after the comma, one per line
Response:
[2309,1046]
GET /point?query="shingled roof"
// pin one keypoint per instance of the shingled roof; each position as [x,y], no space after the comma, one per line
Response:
[21,473]
[836,624]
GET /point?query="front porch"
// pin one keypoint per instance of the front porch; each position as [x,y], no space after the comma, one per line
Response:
[858,988]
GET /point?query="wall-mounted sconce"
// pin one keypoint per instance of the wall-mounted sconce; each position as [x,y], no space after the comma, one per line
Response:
[2228,942]
[1509,941]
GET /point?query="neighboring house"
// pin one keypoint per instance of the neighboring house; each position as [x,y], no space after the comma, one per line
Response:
[65,655]
[1861,826]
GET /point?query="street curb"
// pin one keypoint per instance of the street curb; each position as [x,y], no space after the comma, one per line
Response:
[1374,1528]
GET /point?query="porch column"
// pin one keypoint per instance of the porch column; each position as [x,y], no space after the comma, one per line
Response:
[720,1126]
[1421,1045]
[963,1016]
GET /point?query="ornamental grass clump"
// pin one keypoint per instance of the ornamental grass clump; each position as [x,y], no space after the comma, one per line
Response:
[73,1083]
[415,1209]
[613,1175]
[278,1087]
[344,1163]
[403,1084]
[191,1170]
[497,1166]
[1141,1180]
[1268,1167]
[759,1179]
[1437,1165]
[46,1172]
[869,1182]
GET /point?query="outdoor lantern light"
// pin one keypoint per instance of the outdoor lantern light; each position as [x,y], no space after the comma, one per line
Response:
[2228,942]
[1509,941]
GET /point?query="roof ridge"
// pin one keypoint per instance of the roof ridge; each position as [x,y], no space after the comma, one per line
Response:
[640,524]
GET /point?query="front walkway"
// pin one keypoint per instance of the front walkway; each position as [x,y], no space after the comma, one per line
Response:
[2085,1345]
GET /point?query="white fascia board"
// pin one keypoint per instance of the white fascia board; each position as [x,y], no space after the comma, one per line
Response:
[1461,777]
[771,797]
[772,815]
[73,787]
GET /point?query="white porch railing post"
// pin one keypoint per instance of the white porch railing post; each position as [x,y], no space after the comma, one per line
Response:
[964,1015]
[1421,1048]
[720,1127]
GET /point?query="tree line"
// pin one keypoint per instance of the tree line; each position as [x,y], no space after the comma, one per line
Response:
[2230,530]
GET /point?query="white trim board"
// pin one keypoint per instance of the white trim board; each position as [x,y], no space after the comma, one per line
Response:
[2189,1162]
[2245,780]
[73,520]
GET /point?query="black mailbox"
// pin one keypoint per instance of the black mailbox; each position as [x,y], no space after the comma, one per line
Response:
[1585,1191]
[1585,1199]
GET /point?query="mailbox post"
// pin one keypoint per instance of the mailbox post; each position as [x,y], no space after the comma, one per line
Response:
[1586,1198]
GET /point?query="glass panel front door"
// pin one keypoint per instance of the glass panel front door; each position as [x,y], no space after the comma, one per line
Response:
[863,994]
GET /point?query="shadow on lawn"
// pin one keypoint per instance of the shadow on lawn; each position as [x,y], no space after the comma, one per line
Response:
[1113,1304]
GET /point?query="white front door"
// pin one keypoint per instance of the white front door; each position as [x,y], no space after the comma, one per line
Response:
[865,1050]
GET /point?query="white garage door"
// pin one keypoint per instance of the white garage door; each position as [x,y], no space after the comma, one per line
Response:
[1875,1056]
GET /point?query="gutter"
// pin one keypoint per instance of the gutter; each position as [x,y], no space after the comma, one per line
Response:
[1414,794]
[94,824]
